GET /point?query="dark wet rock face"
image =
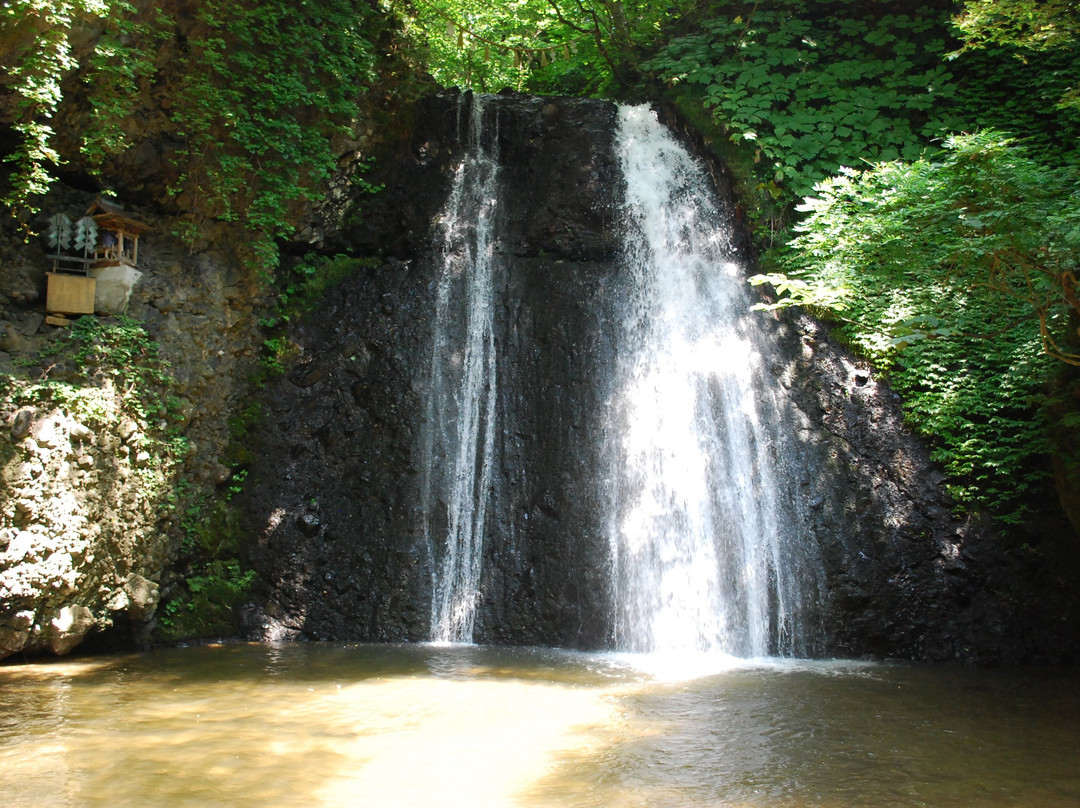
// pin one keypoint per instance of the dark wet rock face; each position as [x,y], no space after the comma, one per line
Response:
[336,495]
[905,577]
[336,490]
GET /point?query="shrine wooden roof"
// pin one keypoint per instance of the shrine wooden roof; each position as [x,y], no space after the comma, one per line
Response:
[112,217]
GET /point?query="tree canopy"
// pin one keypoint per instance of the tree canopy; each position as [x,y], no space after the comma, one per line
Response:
[581,47]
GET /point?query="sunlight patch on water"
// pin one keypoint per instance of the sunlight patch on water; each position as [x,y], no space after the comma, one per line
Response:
[455,726]
[465,743]
[43,672]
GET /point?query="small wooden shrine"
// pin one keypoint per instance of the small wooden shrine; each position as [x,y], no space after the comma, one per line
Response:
[118,241]
[94,260]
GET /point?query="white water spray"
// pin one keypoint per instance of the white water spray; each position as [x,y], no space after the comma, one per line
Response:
[460,431]
[697,539]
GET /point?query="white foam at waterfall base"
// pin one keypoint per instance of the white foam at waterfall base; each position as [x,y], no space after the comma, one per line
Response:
[698,540]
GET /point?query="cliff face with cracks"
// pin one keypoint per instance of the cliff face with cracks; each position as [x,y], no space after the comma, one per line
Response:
[335,491]
[95,491]
[342,551]
[906,578]
[97,495]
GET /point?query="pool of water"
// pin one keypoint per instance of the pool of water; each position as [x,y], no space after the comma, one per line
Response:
[364,725]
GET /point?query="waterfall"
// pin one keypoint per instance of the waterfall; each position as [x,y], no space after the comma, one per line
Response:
[459,433]
[703,554]
[702,533]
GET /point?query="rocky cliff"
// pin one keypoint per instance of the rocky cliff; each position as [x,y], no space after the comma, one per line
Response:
[341,551]
[335,492]
[96,484]
[98,491]
[115,465]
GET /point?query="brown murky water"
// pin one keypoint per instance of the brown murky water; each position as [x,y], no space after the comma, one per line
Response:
[359,725]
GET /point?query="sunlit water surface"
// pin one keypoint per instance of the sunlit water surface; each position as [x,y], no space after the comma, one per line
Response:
[344,725]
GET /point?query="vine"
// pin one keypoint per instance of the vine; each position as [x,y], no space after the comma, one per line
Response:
[271,87]
[43,59]
[813,91]
[122,64]
[259,94]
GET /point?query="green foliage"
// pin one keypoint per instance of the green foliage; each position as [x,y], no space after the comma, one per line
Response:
[269,86]
[205,607]
[1020,93]
[1022,27]
[582,47]
[240,422]
[122,374]
[101,373]
[279,352]
[214,579]
[116,347]
[814,87]
[979,401]
[957,276]
[256,93]
[124,58]
[299,288]
[1034,24]
[118,352]
[41,60]
[486,46]
[303,284]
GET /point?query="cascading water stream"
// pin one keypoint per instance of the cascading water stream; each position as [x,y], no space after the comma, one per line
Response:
[702,555]
[460,430]
[702,536]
